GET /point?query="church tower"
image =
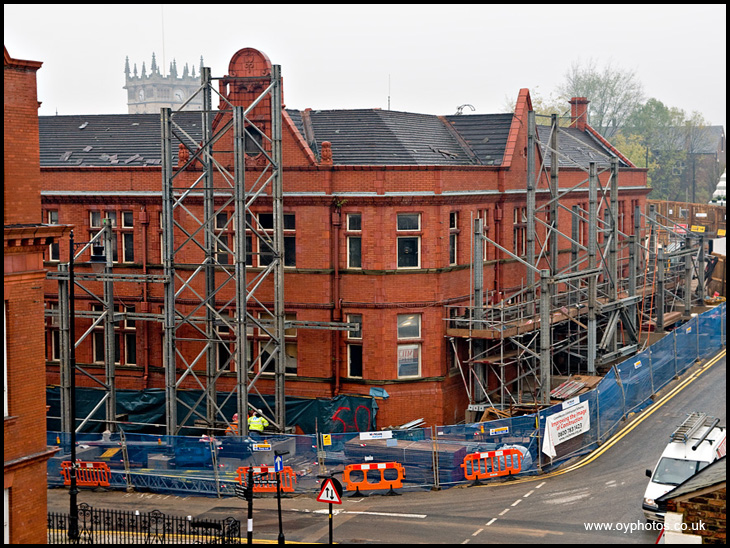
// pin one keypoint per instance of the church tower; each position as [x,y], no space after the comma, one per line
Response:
[148,93]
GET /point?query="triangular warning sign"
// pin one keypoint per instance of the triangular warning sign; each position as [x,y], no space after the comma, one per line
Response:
[329,493]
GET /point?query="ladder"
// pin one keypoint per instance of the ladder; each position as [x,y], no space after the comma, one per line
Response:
[214,461]
[691,424]
[125,456]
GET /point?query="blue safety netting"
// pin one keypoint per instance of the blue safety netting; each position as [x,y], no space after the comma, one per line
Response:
[663,362]
[687,351]
[610,404]
[636,380]
[431,457]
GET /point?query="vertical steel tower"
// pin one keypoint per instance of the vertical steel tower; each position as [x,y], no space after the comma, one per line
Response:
[237,164]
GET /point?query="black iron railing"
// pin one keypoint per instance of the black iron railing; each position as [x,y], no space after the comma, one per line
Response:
[102,526]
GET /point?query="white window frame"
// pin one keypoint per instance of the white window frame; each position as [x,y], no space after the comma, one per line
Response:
[408,234]
[402,349]
[406,317]
[453,237]
[408,343]
[350,242]
[349,362]
[354,234]
[124,219]
[54,249]
[127,247]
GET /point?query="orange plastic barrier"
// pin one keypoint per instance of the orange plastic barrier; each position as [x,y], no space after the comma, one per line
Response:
[88,474]
[492,464]
[365,484]
[264,478]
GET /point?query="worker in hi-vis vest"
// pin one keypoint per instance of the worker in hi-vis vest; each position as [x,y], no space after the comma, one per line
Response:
[232,429]
[256,423]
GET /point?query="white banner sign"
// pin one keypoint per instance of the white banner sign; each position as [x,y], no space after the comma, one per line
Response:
[382,435]
[565,425]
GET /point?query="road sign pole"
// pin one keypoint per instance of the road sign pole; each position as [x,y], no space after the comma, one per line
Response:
[249,497]
[278,499]
[331,493]
[278,462]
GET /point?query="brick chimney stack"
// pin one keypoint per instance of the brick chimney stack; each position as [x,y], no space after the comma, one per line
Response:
[579,112]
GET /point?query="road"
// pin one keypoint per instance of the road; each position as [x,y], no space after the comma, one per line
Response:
[603,488]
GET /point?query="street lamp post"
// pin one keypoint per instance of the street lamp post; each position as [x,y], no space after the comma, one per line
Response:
[73,523]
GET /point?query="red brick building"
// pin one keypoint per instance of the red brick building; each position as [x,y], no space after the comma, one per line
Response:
[26,239]
[378,211]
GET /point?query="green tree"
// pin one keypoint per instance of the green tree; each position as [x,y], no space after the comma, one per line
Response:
[676,151]
[632,146]
[614,93]
[656,129]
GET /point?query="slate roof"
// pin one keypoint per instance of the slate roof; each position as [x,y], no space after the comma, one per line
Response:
[577,148]
[108,139]
[386,137]
[486,134]
[358,137]
[706,140]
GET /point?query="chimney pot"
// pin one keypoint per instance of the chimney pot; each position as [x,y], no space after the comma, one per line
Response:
[579,112]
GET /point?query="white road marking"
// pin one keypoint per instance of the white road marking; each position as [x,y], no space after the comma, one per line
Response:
[390,514]
[570,496]
[515,503]
[477,532]
[530,493]
[491,521]
[503,512]
[387,514]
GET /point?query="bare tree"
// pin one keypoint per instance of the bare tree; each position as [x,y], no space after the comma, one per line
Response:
[614,93]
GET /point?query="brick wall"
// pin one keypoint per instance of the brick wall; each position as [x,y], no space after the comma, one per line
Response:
[705,515]
[21,158]
[24,449]
[24,433]
[380,291]
[321,288]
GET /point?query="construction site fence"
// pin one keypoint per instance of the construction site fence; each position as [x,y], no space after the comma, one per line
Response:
[427,458]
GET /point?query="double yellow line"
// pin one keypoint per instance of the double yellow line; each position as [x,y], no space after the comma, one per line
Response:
[615,439]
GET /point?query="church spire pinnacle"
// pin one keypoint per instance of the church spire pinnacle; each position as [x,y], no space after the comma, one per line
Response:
[153,66]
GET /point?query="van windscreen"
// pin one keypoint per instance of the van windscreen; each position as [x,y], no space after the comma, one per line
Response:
[675,471]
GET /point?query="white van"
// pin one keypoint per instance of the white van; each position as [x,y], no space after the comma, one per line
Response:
[695,443]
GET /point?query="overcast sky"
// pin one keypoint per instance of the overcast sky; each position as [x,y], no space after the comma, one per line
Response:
[427,58]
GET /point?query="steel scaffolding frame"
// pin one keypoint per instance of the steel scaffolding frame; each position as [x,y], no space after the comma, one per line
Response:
[105,317]
[193,314]
[555,298]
